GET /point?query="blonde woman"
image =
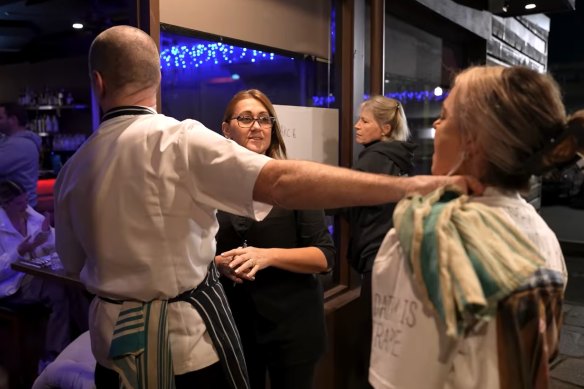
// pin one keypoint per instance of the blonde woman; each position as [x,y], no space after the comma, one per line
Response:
[471,288]
[382,128]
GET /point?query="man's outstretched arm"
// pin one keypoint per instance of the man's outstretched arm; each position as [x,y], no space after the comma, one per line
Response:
[310,185]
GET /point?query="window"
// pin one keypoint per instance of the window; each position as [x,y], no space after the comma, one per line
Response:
[201,73]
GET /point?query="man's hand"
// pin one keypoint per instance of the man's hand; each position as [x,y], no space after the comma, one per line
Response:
[426,184]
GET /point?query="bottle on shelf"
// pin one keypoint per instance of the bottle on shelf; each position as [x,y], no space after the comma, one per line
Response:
[56,163]
[60,97]
[55,123]
[46,98]
[48,124]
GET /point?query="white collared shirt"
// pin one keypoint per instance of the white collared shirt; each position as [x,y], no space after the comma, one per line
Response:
[10,238]
[135,215]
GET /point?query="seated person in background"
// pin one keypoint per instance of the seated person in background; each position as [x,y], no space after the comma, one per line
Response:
[19,150]
[467,291]
[279,309]
[26,234]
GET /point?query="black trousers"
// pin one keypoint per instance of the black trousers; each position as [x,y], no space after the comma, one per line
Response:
[359,377]
[211,377]
[298,376]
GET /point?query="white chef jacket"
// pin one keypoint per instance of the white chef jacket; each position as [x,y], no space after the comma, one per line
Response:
[135,215]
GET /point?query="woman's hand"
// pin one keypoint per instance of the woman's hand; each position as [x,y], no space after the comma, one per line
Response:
[46,224]
[247,261]
[40,237]
[31,242]
[222,263]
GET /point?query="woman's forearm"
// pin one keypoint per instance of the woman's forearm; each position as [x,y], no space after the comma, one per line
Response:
[299,260]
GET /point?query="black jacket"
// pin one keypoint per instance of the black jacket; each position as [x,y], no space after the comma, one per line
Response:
[369,225]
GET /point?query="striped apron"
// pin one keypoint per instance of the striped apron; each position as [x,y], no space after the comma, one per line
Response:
[210,302]
[140,347]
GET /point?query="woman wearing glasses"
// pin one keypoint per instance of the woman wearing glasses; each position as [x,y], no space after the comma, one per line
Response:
[270,266]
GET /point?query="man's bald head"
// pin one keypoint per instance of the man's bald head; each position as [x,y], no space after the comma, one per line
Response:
[126,58]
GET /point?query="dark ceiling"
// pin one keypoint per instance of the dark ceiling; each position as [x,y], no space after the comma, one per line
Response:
[36,30]
[507,8]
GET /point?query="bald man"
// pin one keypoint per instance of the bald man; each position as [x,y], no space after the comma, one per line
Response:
[135,215]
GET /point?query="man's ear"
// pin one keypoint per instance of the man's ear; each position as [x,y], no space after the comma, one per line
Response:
[98,84]
[226,130]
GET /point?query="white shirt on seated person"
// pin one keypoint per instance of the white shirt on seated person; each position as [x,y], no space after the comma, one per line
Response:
[10,238]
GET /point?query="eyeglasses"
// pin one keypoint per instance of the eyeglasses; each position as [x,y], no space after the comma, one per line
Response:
[246,121]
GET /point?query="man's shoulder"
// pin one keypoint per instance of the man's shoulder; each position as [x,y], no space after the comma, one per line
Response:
[164,122]
[170,120]
[18,140]
[16,145]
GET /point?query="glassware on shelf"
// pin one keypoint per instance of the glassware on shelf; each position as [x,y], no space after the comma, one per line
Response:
[46,99]
[68,142]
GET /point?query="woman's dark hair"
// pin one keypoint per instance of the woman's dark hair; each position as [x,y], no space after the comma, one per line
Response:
[9,190]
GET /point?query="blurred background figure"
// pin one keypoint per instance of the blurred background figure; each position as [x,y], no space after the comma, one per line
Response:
[383,129]
[26,234]
[270,266]
[19,150]
[475,299]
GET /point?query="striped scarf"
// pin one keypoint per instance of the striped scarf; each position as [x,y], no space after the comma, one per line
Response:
[140,346]
[465,256]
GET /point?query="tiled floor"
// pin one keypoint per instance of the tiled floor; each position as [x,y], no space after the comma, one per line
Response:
[568,369]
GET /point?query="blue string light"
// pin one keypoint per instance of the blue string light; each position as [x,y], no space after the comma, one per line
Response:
[333,30]
[200,53]
[404,97]
[322,101]
[416,96]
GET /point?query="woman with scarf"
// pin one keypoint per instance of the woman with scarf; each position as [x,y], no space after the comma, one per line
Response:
[467,291]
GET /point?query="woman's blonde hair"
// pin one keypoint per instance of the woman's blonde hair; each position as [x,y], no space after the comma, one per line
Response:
[277,147]
[389,111]
[516,116]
